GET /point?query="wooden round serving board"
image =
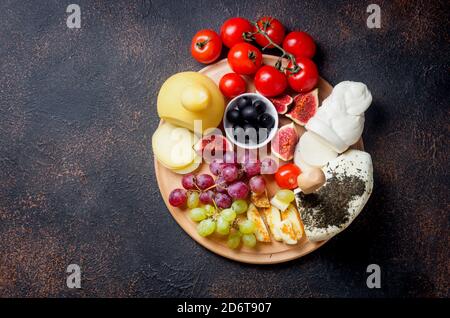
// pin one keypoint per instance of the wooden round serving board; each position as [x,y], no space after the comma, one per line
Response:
[263,253]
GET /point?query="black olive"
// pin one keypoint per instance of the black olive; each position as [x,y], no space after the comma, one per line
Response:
[243,101]
[249,114]
[259,106]
[234,116]
[266,121]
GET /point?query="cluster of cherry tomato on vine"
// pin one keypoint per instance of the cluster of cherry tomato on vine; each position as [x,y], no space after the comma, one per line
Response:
[245,59]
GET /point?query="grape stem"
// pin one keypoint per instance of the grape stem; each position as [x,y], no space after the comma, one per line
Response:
[211,187]
[217,209]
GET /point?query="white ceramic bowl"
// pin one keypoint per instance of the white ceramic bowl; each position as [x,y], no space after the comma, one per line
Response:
[270,109]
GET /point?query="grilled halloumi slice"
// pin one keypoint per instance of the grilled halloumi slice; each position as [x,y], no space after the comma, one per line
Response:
[292,215]
[287,233]
[260,200]
[273,219]
[261,233]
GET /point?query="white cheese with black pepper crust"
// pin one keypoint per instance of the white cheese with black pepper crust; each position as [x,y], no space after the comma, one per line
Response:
[351,163]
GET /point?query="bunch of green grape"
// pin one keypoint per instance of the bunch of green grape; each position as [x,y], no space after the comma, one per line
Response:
[210,219]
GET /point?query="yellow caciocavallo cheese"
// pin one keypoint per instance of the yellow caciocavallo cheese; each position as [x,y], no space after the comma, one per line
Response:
[189,96]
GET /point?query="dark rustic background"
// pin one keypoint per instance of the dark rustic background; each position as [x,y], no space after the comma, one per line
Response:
[77,185]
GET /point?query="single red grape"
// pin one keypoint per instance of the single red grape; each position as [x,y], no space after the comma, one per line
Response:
[269,166]
[222,200]
[207,197]
[257,184]
[204,181]
[252,168]
[178,197]
[230,173]
[221,185]
[188,182]
[238,190]
[216,166]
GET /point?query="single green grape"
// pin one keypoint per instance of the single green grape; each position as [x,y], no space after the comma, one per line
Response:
[206,227]
[193,200]
[228,215]
[210,210]
[247,226]
[249,240]
[286,196]
[234,239]
[239,206]
[223,226]
[197,214]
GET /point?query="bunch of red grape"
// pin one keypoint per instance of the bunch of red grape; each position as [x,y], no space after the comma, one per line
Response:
[233,181]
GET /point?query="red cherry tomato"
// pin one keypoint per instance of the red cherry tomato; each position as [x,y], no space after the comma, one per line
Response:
[244,58]
[299,44]
[306,78]
[206,46]
[232,31]
[286,176]
[232,85]
[270,82]
[274,29]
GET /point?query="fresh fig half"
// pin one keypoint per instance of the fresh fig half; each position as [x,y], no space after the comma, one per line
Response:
[282,103]
[284,142]
[305,107]
[212,147]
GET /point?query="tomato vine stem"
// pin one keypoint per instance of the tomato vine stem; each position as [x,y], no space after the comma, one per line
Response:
[250,36]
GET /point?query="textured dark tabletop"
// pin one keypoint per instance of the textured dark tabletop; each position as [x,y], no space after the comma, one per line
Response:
[77,185]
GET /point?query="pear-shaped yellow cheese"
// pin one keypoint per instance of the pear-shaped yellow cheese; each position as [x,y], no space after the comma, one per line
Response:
[189,96]
[195,97]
